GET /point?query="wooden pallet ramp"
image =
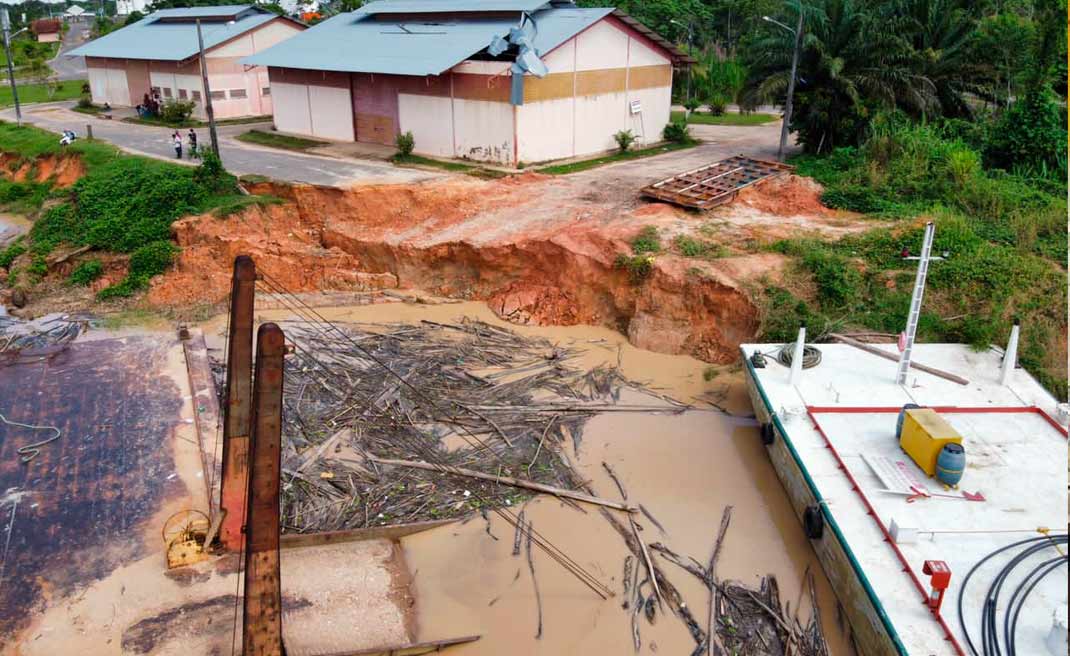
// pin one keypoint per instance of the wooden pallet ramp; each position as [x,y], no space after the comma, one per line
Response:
[714,184]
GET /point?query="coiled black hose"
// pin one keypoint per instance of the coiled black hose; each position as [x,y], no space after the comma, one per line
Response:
[990,638]
[811,355]
[1021,593]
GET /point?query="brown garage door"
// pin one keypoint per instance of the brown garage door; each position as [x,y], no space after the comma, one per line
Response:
[375,108]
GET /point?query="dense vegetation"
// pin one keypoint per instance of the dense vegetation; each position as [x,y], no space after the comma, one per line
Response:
[1004,235]
[123,204]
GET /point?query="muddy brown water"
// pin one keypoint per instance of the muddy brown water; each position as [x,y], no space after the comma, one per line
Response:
[684,468]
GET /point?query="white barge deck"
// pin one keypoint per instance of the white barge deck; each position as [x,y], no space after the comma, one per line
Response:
[829,435]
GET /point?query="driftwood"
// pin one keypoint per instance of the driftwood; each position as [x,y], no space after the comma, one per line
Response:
[711,627]
[534,582]
[888,356]
[506,480]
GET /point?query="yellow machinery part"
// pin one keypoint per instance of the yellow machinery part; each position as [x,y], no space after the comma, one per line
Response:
[924,435]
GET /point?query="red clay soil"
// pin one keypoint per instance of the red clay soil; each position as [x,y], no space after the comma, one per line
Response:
[63,170]
[376,237]
[787,195]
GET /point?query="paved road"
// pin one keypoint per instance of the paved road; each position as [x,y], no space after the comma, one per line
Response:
[71,68]
[239,158]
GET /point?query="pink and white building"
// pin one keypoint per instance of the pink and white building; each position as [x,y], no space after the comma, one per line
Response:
[160,55]
[504,81]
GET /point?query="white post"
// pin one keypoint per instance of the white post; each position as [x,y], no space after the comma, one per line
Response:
[797,356]
[1010,356]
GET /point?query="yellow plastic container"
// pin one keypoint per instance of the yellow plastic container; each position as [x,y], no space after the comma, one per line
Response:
[924,434]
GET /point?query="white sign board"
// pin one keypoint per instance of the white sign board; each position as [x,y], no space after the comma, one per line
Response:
[636,107]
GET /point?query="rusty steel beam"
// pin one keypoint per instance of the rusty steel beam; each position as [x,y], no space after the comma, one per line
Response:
[262,608]
[237,405]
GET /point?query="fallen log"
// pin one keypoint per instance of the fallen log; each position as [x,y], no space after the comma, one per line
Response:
[894,358]
[714,645]
[507,480]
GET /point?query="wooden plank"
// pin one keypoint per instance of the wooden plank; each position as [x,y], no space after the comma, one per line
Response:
[888,356]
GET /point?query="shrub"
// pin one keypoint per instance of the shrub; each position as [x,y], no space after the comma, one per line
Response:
[85,101]
[717,104]
[8,255]
[647,241]
[624,139]
[176,111]
[86,272]
[691,247]
[145,262]
[691,104]
[405,143]
[1029,135]
[838,281]
[211,175]
[639,267]
[677,132]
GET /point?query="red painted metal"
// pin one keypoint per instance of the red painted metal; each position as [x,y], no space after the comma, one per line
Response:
[871,511]
[237,409]
[939,580]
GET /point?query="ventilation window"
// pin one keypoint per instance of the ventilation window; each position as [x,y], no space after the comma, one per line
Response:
[218,95]
[196,95]
[182,94]
[238,94]
[266,91]
[167,92]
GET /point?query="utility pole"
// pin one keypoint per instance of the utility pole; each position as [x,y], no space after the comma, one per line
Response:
[207,91]
[5,22]
[788,104]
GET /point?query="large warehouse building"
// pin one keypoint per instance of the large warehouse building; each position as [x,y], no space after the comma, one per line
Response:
[159,54]
[503,81]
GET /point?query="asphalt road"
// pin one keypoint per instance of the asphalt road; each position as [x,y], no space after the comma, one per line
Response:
[71,68]
[238,157]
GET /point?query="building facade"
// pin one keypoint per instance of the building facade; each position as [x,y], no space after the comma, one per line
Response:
[601,72]
[160,57]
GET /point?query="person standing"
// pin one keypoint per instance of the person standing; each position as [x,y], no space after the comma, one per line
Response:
[178,145]
[192,144]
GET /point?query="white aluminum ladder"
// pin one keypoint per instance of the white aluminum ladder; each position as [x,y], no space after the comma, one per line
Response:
[915,303]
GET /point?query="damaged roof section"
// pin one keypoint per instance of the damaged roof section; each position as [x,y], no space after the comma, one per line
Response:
[378,38]
[171,34]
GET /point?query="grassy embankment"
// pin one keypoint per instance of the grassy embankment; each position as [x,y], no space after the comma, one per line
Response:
[36,93]
[123,204]
[1005,235]
[728,118]
[276,140]
[585,164]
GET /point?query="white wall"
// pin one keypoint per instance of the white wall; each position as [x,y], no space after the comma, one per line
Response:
[484,130]
[291,108]
[545,130]
[430,119]
[108,85]
[332,113]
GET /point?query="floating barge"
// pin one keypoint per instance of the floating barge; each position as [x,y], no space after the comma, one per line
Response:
[885,532]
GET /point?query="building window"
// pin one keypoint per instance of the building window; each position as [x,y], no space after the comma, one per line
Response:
[266,91]
[218,95]
[237,94]
[182,94]
[196,96]
[167,92]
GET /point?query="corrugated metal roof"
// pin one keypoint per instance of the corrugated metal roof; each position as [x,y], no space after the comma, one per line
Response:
[158,36]
[451,6]
[357,43]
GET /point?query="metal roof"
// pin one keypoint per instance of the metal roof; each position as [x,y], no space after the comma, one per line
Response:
[165,35]
[451,6]
[357,43]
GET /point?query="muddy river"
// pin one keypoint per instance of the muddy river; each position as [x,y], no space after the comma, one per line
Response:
[683,468]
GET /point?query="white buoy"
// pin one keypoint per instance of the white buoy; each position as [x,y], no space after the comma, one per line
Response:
[1010,356]
[797,356]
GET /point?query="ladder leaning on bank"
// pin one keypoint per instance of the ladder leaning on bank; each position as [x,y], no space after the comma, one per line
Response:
[915,303]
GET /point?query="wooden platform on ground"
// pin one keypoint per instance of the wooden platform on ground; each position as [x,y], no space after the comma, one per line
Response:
[714,184]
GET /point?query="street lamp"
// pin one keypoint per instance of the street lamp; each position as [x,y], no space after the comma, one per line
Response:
[797,32]
[689,42]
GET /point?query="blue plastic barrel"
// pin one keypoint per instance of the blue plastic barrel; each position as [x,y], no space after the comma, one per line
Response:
[950,464]
[899,420]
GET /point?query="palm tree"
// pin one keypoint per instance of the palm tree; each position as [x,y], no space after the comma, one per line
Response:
[854,61]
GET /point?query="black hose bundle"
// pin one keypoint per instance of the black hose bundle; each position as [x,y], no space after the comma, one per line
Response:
[990,641]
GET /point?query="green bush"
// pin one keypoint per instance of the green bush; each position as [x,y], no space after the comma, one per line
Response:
[639,267]
[717,103]
[691,247]
[211,175]
[405,143]
[647,241]
[8,255]
[1030,136]
[147,261]
[838,280]
[624,139]
[85,101]
[86,272]
[177,111]
[677,132]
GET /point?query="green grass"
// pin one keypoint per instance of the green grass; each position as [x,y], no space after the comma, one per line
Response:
[586,164]
[35,93]
[92,110]
[193,122]
[754,118]
[454,167]
[276,140]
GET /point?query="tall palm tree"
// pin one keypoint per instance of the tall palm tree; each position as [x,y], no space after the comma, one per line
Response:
[854,61]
